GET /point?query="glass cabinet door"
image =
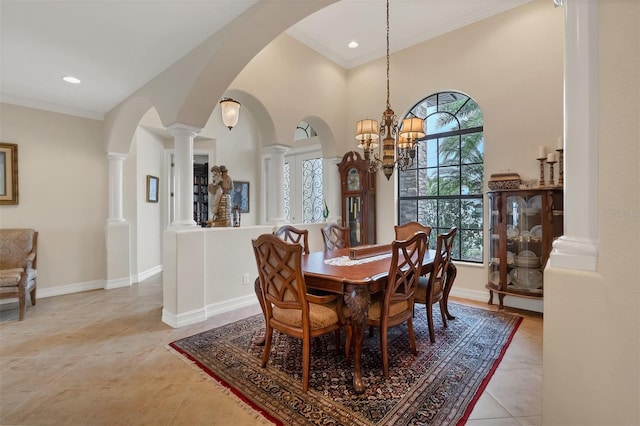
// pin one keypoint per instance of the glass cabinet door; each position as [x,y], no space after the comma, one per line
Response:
[524,242]
[354,207]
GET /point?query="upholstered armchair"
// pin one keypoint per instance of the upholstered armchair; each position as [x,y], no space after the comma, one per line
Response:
[18,248]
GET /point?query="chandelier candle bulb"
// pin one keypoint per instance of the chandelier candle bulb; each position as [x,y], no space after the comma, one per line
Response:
[551,157]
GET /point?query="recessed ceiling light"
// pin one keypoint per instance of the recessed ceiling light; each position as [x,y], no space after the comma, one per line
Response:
[70,79]
[353,44]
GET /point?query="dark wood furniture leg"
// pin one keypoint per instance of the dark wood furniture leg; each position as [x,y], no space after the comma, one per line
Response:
[451,276]
[258,290]
[357,299]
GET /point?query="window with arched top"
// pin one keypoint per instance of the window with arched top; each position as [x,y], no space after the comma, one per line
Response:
[443,186]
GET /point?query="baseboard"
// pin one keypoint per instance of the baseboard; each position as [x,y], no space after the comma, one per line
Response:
[230,305]
[535,305]
[479,296]
[136,278]
[181,320]
[70,289]
[117,283]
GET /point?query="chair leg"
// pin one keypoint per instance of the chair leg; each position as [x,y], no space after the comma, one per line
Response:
[337,339]
[21,304]
[33,295]
[267,345]
[412,338]
[306,350]
[385,351]
[432,335]
[443,312]
[258,291]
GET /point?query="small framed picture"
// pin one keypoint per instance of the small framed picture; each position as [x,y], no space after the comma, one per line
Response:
[8,173]
[152,189]
[240,196]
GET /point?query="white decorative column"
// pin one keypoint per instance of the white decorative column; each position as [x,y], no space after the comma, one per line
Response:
[331,188]
[273,176]
[117,230]
[183,159]
[578,247]
[116,186]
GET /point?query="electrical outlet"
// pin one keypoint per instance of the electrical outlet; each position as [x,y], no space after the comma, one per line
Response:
[245,279]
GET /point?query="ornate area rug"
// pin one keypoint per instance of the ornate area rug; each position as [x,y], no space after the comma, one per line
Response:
[439,386]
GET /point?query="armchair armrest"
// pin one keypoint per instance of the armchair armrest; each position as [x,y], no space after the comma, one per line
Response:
[29,261]
[321,300]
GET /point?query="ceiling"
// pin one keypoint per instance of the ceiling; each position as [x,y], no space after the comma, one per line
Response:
[115,47]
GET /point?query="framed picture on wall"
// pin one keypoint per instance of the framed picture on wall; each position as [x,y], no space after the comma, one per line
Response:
[8,173]
[152,189]
[240,195]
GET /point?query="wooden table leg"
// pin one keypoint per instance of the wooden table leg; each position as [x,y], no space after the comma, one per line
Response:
[357,299]
[451,276]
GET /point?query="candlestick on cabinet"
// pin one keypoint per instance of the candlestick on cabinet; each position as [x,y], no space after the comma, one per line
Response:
[560,166]
[551,163]
[541,160]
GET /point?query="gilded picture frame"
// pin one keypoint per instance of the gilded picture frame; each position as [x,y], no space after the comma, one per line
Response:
[8,173]
[152,189]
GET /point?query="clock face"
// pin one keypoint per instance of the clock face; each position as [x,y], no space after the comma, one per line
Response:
[353,180]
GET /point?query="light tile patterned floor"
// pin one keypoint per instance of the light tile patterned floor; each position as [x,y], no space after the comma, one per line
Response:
[100,358]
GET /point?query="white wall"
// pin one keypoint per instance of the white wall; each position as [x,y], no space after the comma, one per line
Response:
[62,193]
[205,269]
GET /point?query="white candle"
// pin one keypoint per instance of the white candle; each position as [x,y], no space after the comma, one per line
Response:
[559,145]
[551,157]
[542,152]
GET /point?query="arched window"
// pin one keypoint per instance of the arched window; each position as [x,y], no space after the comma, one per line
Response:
[443,186]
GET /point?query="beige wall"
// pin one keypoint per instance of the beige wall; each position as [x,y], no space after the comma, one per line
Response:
[510,66]
[62,192]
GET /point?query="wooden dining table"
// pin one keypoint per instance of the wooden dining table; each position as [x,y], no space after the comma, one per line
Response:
[357,280]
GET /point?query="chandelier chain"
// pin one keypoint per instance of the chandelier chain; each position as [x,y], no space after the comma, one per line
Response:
[388,104]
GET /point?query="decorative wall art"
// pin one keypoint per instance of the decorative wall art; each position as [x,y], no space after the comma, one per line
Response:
[8,173]
[152,189]
[240,195]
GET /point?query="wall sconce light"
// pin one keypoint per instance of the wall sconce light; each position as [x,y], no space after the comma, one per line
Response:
[230,112]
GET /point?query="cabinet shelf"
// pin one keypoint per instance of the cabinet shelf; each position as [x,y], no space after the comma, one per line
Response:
[522,227]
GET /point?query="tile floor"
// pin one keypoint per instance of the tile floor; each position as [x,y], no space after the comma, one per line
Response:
[100,358]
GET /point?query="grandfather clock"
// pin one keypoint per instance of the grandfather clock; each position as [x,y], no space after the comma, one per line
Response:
[358,190]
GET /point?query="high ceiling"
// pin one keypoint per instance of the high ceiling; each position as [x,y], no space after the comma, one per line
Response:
[115,47]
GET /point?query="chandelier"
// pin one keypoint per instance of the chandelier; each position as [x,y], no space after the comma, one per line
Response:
[398,146]
[230,112]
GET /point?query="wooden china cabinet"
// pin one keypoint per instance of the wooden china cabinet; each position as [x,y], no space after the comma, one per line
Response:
[522,226]
[358,198]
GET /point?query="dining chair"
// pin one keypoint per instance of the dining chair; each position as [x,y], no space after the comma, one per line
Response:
[335,237]
[394,306]
[287,305]
[406,230]
[294,235]
[431,288]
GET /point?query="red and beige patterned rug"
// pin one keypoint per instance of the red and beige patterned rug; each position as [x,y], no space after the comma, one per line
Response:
[440,386]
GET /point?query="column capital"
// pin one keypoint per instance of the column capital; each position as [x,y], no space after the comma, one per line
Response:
[276,149]
[177,129]
[116,156]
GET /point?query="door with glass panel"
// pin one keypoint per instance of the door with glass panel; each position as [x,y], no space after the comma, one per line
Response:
[303,197]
